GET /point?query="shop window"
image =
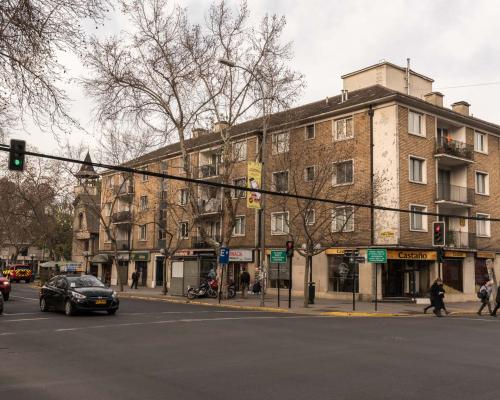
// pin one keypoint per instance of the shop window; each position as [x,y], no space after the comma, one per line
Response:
[480,272]
[284,282]
[453,275]
[341,275]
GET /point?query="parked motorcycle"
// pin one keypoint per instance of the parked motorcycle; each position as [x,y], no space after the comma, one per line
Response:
[205,290]
[231,289]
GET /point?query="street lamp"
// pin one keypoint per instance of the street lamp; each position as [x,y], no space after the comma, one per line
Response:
[86,255]
[164,253]
[262,219]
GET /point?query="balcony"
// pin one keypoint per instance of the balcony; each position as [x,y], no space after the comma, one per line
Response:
[453,152]
[460,240]
[122,245]
[208,171]
[197,242]
[162,243]
[125,190]
[454,194]
[121,217]
[210,206]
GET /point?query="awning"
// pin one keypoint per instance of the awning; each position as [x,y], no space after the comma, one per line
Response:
[101,259]
[48,264]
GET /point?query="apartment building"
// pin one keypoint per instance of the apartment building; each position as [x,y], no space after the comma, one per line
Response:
[388,139]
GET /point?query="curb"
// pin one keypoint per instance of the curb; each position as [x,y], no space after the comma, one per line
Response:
[364,314]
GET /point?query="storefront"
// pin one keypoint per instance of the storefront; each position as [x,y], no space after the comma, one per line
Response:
[141,260]
[453,271]
[238,260]
[407,273]
[342,275]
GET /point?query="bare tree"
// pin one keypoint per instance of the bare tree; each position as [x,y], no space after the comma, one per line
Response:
[33,34]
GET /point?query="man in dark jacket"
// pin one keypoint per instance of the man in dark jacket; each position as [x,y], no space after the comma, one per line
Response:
[433,294]
[245,283]
[135,279]
[437,294]
[497,305]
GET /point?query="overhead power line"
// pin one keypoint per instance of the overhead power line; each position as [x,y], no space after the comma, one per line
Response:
[162,175]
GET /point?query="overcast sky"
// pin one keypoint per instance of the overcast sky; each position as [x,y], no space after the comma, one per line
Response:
[454,42]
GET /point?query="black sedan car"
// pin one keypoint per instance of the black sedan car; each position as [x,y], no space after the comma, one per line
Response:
[77,293]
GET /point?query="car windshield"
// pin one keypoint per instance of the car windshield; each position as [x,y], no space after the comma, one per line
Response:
[84,281]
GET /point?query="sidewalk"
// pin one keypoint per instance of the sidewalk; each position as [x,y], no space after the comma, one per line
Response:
[327,307]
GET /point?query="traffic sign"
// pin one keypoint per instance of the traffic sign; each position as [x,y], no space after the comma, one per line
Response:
[359,260]
[377,256]
[224,255]
[278,256]
[351,253]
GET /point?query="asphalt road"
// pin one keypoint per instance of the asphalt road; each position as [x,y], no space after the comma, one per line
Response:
[154,350]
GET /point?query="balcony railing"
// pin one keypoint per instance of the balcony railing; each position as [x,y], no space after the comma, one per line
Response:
[197,242]
[455,148]
[458,194]
[460,240]
[123,190]
[122,245]
[208,171]
[210,206]
[121,217]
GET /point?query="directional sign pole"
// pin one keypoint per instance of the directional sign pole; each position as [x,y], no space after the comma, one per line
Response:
[279,267]
[290,284]
[376,286]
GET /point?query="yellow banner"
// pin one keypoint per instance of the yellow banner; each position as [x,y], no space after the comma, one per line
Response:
[411,255]
[254,182]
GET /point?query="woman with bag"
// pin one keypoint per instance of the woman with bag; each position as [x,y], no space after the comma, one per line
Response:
[484,295]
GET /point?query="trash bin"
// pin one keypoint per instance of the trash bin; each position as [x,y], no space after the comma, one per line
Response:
[312,292]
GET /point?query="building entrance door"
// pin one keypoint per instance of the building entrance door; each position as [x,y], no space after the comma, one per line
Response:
[393,274]
[159,271]
[142,267]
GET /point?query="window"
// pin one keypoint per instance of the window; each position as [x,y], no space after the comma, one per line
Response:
[480,142]
[280,142]
[184,230]
[415,123]
[144,203]
[239,194]
[343,173]
[142,232]
[309,173]
[183,197]
[310,217]
[343,219]
[341,274]
[279,223]
[482,183]
[162,234]
[343,129]
[144,176]
[239,226]
[280,181]
[240,151]
[417,170]
[80,221]
[107,209]
[482,226]
[310,132]
[418,222]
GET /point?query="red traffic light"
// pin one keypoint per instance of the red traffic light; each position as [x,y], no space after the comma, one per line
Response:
[289,248]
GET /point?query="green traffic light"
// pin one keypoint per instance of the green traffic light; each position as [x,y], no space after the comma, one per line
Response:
[17,162]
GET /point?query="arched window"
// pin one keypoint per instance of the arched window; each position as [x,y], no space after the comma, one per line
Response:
[80,221]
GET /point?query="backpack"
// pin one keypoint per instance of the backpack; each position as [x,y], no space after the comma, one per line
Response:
[482,294]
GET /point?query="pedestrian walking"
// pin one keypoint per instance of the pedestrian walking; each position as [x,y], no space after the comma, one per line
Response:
[437,298]
[212,274]
[433,295]
[135,279]
[497,305]
[244,282]
[484,295]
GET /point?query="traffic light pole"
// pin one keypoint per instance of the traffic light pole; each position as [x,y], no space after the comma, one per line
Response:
[290,283]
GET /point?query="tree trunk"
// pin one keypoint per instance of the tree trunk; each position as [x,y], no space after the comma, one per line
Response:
[165,269]
[306,281]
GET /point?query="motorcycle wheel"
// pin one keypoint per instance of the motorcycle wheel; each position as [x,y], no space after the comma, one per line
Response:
[212,293]
[231,293]
[191,294]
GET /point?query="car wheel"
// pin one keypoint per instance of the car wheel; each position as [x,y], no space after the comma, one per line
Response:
[112,312]
[6,296]
[43,305]
[68,308]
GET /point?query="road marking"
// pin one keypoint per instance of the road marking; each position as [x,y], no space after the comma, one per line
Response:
[23,319]
[475,319]
[22,313]
[25,298]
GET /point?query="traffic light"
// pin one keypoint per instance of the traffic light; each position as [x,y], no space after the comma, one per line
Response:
[16,155]
[289,248]
[438,236]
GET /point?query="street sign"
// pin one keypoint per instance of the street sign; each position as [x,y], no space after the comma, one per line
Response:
[278,256]
[351,253]
[377,256]
[224,255]
[359,260]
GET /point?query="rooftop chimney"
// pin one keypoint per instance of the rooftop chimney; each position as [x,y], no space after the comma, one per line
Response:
[197,132]
[435,98]
[461,107]
[220,126]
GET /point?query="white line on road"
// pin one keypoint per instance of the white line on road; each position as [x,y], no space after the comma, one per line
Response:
[475,319]
[23,319]
[25,298]
[22,313]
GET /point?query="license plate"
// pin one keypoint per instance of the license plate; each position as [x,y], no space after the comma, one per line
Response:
[100,301]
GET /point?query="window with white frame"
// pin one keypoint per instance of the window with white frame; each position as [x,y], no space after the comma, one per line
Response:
[310,132]
[279,223]
[482,183]
[280,181]
[142,232]
[343,129]
[240,150]
[418,222]
[416,123]
[183,197]
[107,209]
[281,142]
[310,217]
[480,142]
[239,194]
[482,225]
[417,170]
[343,173]
[343,219]
[162,234]
[183,230]
[144,203]
[309,173]
[144,176]
[239,226]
